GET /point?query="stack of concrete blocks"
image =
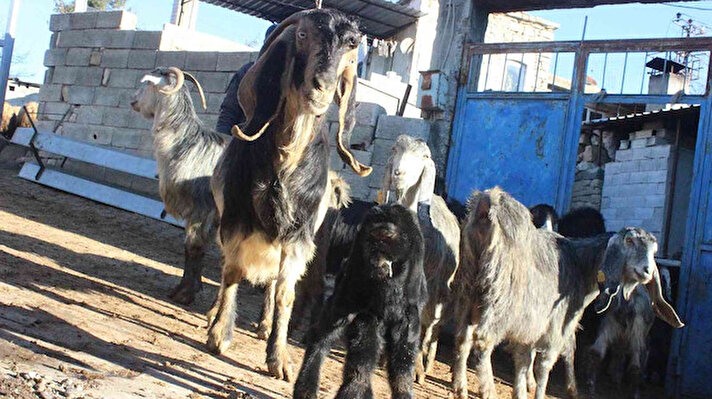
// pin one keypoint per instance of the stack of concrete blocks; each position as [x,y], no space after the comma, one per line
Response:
[371,143]
[637,183]
[587,185]
[94,65]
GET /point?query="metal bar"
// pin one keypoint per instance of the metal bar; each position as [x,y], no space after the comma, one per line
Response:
[553,75]
[644,99]
[605,66]
[521,67]
[536,76]
[35,153]
[519,96]
[625,65]
[504,72]
[642,79]
[7,47]
[597,46]
[489,57]
[98,192]
[401,109]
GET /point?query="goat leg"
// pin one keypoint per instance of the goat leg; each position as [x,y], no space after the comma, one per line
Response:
[401,346]
[268,303]
[523,359]
[190,284]
[568,357]
[364,347]
[222,316]
[593,362]
[545,362]
[465,333]
[531,380]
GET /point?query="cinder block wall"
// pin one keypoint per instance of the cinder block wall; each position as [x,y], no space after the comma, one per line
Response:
[94,63]
[636,184]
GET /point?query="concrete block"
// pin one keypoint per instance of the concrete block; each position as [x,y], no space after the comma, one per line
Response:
[368,113]
[661,163]
[126,97]
[213,101]
[231,62]
[655,141]
[644,133]
[638,143]
[638,177]
[115,58]
[214,82]
[78,56]
[625,144]
[55,56]
[171,58]
[59,22]
[96,38]
[126,78]
[653,201]
[643,212]
[381,151]
[362,136]
[657,176]
[50,92]
[335,162]
[647,165]
[390,127]
[142,59]
[83,20]
[121,19]
[118,117]
[624,155]
[78,94]
[661,151]
[612,168]
[89,114]
[54,108]
[147,40]
[82,76]
[126,138]
[362,156]
[120,38]
[100,134]
[137,121]
[201,61]
[108,96]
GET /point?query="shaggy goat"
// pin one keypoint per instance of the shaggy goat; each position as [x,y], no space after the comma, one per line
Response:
[411,171]
[186,153]
[378,298]
[530,286]
[270,186]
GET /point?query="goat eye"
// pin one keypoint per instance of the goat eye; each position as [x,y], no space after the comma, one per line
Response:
[301,35]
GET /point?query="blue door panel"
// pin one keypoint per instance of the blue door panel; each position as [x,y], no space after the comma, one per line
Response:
[515,144]
[695,361]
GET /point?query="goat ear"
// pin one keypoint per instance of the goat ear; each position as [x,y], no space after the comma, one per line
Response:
[266,81]
[387,181]
[427,182]
[346,98]
[661,307]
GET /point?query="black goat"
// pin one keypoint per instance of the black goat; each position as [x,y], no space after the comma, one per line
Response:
[544,215]
[379,295]
[581,223]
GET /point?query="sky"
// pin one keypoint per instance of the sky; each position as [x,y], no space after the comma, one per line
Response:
[604,22]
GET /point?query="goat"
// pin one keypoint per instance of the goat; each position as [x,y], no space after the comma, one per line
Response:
[186,153]
[582,222]
[530,286]
[270,186]
[544,215]
[378,298]
[411,171]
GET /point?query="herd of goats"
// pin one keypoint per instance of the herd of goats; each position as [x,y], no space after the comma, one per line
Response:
[404,270]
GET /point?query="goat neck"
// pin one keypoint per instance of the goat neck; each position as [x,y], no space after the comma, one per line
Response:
[297,132]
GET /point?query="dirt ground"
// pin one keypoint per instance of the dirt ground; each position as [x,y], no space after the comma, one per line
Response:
[84,313]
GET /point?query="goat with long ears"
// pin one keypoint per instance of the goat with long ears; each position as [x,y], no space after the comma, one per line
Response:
[271,185]
[276,73]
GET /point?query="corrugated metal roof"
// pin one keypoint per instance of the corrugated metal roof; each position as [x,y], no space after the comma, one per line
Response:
[379,18]
[676,110]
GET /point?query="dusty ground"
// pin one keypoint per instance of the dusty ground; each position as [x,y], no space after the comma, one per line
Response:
[83,311]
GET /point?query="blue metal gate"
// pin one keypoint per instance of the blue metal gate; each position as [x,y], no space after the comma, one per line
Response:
[519,130]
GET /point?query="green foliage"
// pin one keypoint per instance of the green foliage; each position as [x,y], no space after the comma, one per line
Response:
[67,6]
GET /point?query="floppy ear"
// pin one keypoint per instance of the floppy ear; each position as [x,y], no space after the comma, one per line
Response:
[262,89]
[427,182]
[387,181]
[661,307]
[346,99]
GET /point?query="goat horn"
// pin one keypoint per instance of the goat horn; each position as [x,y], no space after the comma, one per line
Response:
[197,85]
[360,169]
[237,132]
[180,78]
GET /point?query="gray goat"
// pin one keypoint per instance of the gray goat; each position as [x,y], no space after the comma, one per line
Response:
[411,172]
[186,153]
[271,184]
[530,286]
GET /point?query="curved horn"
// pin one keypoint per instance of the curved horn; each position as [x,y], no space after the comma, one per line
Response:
[180,78]
[349,77]
[197,85]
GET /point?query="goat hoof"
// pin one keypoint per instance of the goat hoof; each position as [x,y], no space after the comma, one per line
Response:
[572,393]
[263,331]
[280,367]
[420,378]
[460,393]
[184,293]
[216,344]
